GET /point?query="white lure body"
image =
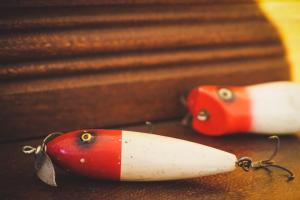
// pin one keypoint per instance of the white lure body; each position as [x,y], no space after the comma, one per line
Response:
[148,157]
[275,107]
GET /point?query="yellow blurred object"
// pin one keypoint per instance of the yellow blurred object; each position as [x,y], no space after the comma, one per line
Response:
[285,15]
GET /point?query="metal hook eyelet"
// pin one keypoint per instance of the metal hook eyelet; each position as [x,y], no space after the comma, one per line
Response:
[203,115]
[28,149]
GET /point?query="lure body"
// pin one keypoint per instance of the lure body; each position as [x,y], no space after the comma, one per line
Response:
[133,156]
[263,108]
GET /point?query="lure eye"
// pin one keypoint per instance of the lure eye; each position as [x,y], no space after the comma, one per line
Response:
[226,94]
[203,115]
[86,137]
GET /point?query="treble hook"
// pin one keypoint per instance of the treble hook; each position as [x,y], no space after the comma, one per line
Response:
[246,163]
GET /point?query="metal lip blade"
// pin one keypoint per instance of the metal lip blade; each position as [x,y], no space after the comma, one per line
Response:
[45,169]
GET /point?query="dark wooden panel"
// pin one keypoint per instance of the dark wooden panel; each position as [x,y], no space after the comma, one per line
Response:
[44,105]
[99,66]
[19,181]
[143,59]
[99,16]
[38,3]
[77,42]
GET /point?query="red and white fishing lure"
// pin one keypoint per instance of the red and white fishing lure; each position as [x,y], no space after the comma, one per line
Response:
[133,156]
[263,108]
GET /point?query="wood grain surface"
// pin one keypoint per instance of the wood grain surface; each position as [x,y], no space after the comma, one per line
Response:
[105,15]
[37,107]
[78,42]
[57,3]
[112,63]
[144,59]
[20,182]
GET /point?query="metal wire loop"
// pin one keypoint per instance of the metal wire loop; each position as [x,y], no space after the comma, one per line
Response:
[28,149]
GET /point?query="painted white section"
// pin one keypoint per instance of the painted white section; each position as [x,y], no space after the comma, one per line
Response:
[148,157]
[275,107]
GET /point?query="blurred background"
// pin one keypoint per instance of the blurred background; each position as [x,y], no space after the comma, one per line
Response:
[285,17]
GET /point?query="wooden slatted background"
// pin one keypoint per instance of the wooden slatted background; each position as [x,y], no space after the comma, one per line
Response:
[68,65]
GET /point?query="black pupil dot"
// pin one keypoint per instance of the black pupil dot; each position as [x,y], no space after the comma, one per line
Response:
[226,94]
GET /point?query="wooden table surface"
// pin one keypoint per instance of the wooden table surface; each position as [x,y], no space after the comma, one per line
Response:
[19,181]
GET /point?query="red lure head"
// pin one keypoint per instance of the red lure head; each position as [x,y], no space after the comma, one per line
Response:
[92,153]
[219,110]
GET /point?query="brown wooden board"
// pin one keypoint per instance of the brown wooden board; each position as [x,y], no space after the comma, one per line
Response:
[37,107]
[26,46]
[141,60]
[38,3]
[121,15]
[20,182]
[49,34]
[69,67]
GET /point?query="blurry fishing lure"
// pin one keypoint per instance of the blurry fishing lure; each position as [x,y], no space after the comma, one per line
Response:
[134,156]
[263,108]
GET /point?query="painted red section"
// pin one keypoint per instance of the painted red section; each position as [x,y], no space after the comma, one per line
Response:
[224,117]
[99,159]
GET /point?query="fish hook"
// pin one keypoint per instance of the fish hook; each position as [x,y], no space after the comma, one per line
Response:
[246,163]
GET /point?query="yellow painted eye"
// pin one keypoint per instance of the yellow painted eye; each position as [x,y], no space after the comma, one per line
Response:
[225,94]
[86,137]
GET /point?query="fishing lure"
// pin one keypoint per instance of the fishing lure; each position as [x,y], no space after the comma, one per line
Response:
[134,156]
[263,108]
